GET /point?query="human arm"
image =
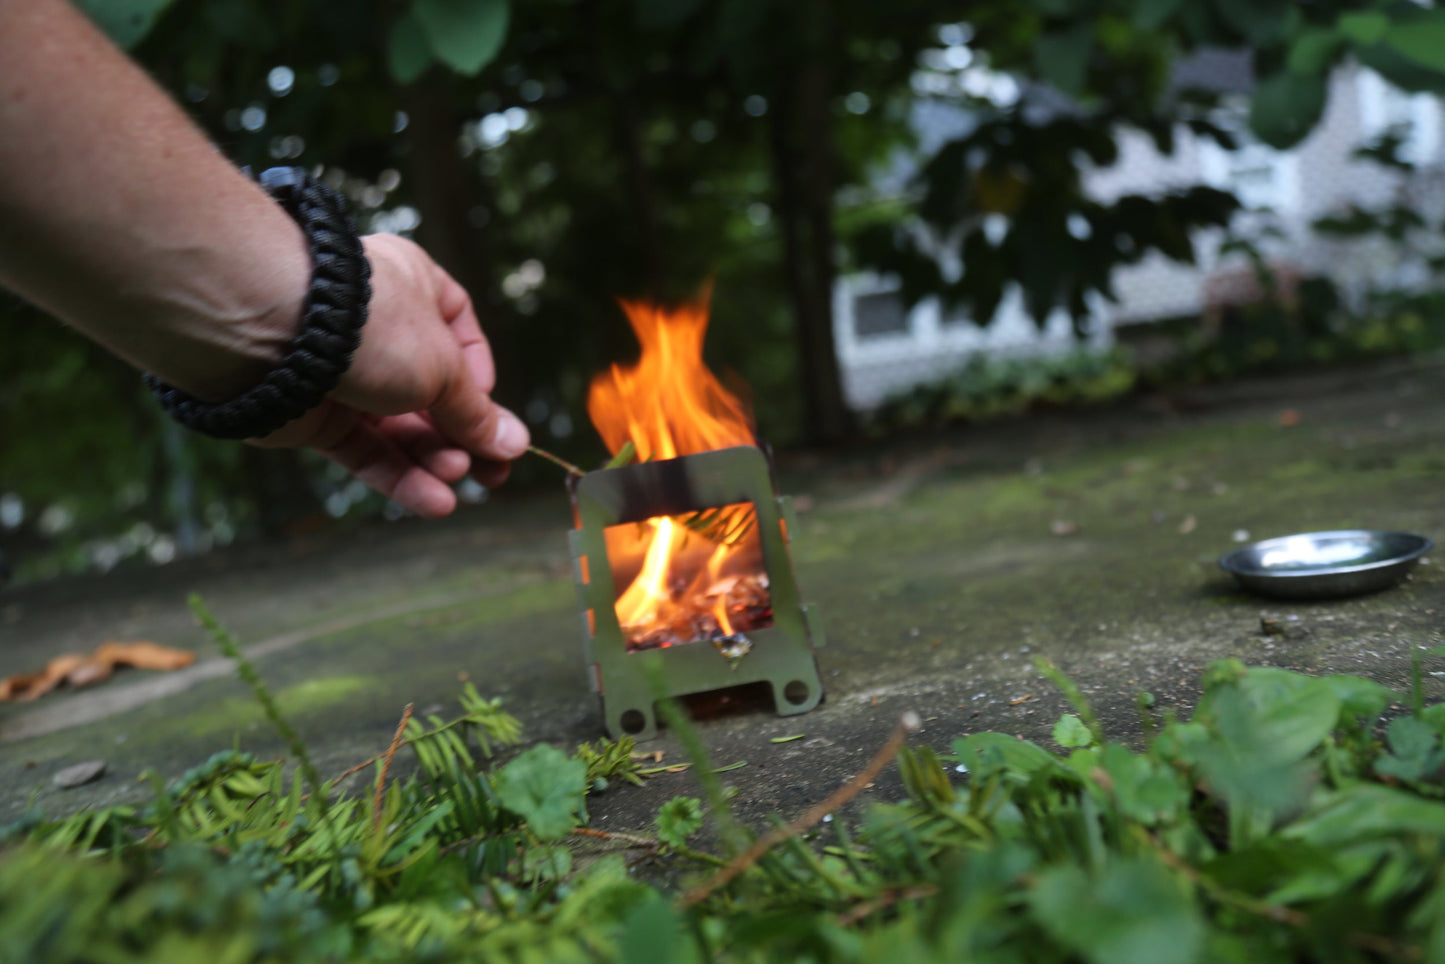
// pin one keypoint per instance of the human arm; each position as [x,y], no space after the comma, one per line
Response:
[119,217]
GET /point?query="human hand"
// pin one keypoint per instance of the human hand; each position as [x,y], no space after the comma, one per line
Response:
[413,414]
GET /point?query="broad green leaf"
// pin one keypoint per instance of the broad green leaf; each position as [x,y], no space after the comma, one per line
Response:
[1134,912]
[1286,107]
[464,34]
[125,21]
[1364,26]
[408,54]
[1314,51]
[1421,42]
[545,787]
[1070,732]
[678,819]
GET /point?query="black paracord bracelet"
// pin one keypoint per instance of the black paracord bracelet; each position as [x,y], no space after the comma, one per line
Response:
[331,318]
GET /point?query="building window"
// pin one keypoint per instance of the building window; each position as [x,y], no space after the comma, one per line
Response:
[879,313]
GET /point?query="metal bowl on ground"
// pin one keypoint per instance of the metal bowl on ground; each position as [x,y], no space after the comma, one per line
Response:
[1322,565]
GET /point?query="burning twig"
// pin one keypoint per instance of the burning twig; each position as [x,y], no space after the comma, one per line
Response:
[910,723]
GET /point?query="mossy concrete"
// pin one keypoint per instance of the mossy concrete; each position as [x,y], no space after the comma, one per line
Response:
[944,564]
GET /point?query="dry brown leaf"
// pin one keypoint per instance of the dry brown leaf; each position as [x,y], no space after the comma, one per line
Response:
[80,671]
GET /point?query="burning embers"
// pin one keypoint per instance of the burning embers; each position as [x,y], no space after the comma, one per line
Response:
[692,576]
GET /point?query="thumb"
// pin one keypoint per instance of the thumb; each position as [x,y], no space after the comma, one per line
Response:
[469,417]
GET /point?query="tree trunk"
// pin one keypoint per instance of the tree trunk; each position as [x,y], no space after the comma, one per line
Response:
[802,147]
[446,192]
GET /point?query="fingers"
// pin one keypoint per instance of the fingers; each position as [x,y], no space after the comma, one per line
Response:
[415,435]
[468,416]
[365,450]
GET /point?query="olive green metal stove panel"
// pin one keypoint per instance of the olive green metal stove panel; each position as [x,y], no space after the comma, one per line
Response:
[781,655]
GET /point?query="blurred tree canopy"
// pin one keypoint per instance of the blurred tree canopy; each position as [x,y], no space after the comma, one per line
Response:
[556,154]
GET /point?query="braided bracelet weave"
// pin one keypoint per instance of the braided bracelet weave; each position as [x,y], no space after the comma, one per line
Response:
[332,314]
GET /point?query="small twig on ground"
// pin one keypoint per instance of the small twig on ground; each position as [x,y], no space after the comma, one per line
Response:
[556,460]
[885,900]
[908,724]
[376,801]
[626,838]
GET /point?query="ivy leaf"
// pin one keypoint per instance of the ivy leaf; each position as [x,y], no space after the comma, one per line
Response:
[544,786]
[1132,913]
[464,34]
[408,54]
[678,819]
[125,21]
[1070,732]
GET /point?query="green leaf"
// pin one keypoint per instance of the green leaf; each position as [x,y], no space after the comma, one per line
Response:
[1152,14]
[544,786]
[464,34]
[1366,811]
[1062,56]
[1364,26]
[1070,732]
[1314,51]
[655,14]
[678,819]
[408,54]
[125,21]
[1286,107]
[1144,789]
[1359,698]
[1422,42]
[653,933]
[985,753]
[1133,913]
[625,456]
[1262,22]
[1414,750]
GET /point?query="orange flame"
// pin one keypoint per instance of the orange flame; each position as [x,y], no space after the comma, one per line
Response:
[668,404]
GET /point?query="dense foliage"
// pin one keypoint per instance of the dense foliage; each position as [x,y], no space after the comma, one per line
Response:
[1290,818]
[554,155]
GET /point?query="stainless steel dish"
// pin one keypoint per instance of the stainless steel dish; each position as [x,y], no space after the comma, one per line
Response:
[1322,565]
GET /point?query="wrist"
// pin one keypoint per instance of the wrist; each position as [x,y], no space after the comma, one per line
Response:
[240,315]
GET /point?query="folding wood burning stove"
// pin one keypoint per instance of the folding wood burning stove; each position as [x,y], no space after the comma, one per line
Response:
[777,650]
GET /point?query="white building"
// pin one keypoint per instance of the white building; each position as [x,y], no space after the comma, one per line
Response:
[884,349]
